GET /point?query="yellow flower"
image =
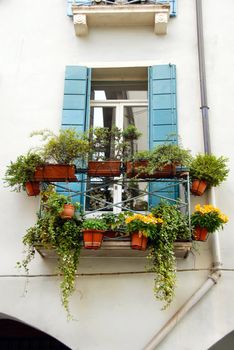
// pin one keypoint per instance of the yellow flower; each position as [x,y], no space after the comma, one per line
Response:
[146,219]
[223,218]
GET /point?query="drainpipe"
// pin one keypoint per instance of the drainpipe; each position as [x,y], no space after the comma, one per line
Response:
[216,266]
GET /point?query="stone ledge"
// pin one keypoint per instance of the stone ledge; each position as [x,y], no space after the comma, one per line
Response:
[118,249]
[120,15]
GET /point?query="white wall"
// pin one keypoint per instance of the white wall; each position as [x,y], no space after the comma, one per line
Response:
[37,42]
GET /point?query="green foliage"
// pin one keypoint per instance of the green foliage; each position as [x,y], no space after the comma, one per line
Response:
[176,223]
[131,133]
[210,168]
[64,148]
[115,222]
[22,170]
[175,226]
[142,155]
[168,154]
[100,139]
[50,231]
[95,224]
[112,144]
[55,203]
[208,217]
[162,155]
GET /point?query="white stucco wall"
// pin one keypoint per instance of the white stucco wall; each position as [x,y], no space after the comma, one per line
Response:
[37,42]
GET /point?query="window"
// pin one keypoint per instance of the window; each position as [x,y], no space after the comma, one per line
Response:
[144,96]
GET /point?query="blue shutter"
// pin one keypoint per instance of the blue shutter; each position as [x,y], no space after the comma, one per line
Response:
[172,6]
[69,7]
[76,114]
[162,121]
[77,2]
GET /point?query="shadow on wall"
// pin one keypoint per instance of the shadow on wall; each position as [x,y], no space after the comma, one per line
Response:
[226,343]
[16,335]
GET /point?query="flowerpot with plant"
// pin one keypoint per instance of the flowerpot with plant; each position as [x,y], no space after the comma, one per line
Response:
[175,226]
[115,224]
[20,174]
[206,219]
[93,231]
[140,227]
[207,170]
[60,153]
[160,162]
[60,205]
[65,237]
[104,160]
[109,148]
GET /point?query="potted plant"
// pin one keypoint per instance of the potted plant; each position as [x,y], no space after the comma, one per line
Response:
[161,161]
[20,174]
[93,231]
[60,153]
[109,147]
[140,227]
[64,236]
[104,161]
[115,224]
[207,170]
[175,226]
[59,204]
[206,219]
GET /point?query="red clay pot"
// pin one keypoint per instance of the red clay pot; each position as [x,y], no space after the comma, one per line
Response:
[92,238]
[55,172]
[68,211]
[137,169]
[198,187]
[32,188]
[139,241]
[200,234]
[104,168]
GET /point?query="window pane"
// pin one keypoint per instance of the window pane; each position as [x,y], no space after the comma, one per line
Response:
[138,116]
[133,90]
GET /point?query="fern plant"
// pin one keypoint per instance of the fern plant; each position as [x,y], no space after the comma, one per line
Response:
[208,167]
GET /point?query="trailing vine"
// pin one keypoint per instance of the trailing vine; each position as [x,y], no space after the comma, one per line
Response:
[64,236]
[162,260]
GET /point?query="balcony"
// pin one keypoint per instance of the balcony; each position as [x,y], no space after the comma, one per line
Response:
[121,13]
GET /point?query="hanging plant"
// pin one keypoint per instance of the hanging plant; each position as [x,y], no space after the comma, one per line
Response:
[161,257]
[64,236]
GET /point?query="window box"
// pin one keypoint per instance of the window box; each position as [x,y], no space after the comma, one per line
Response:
[55,172]
[136,169]
[104,168]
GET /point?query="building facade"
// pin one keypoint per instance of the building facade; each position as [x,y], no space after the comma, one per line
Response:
[113,305]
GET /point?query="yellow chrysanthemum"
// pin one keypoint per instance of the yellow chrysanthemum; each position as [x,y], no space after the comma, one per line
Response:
[146,219]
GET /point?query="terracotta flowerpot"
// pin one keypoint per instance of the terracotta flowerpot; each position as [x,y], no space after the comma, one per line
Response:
[139,241]
[55,172]
[137,169]
[92,238]
[198,187]
[32,188]
[104,168]
[68,211]
[200,234]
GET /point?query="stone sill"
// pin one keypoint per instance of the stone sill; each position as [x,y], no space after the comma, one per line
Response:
[120,15]
[119,249]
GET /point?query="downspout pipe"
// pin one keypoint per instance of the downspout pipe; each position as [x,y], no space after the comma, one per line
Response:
[202,73]
[216,268]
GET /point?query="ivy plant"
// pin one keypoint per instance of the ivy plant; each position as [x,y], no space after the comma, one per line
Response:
[175,226]
[65,237]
